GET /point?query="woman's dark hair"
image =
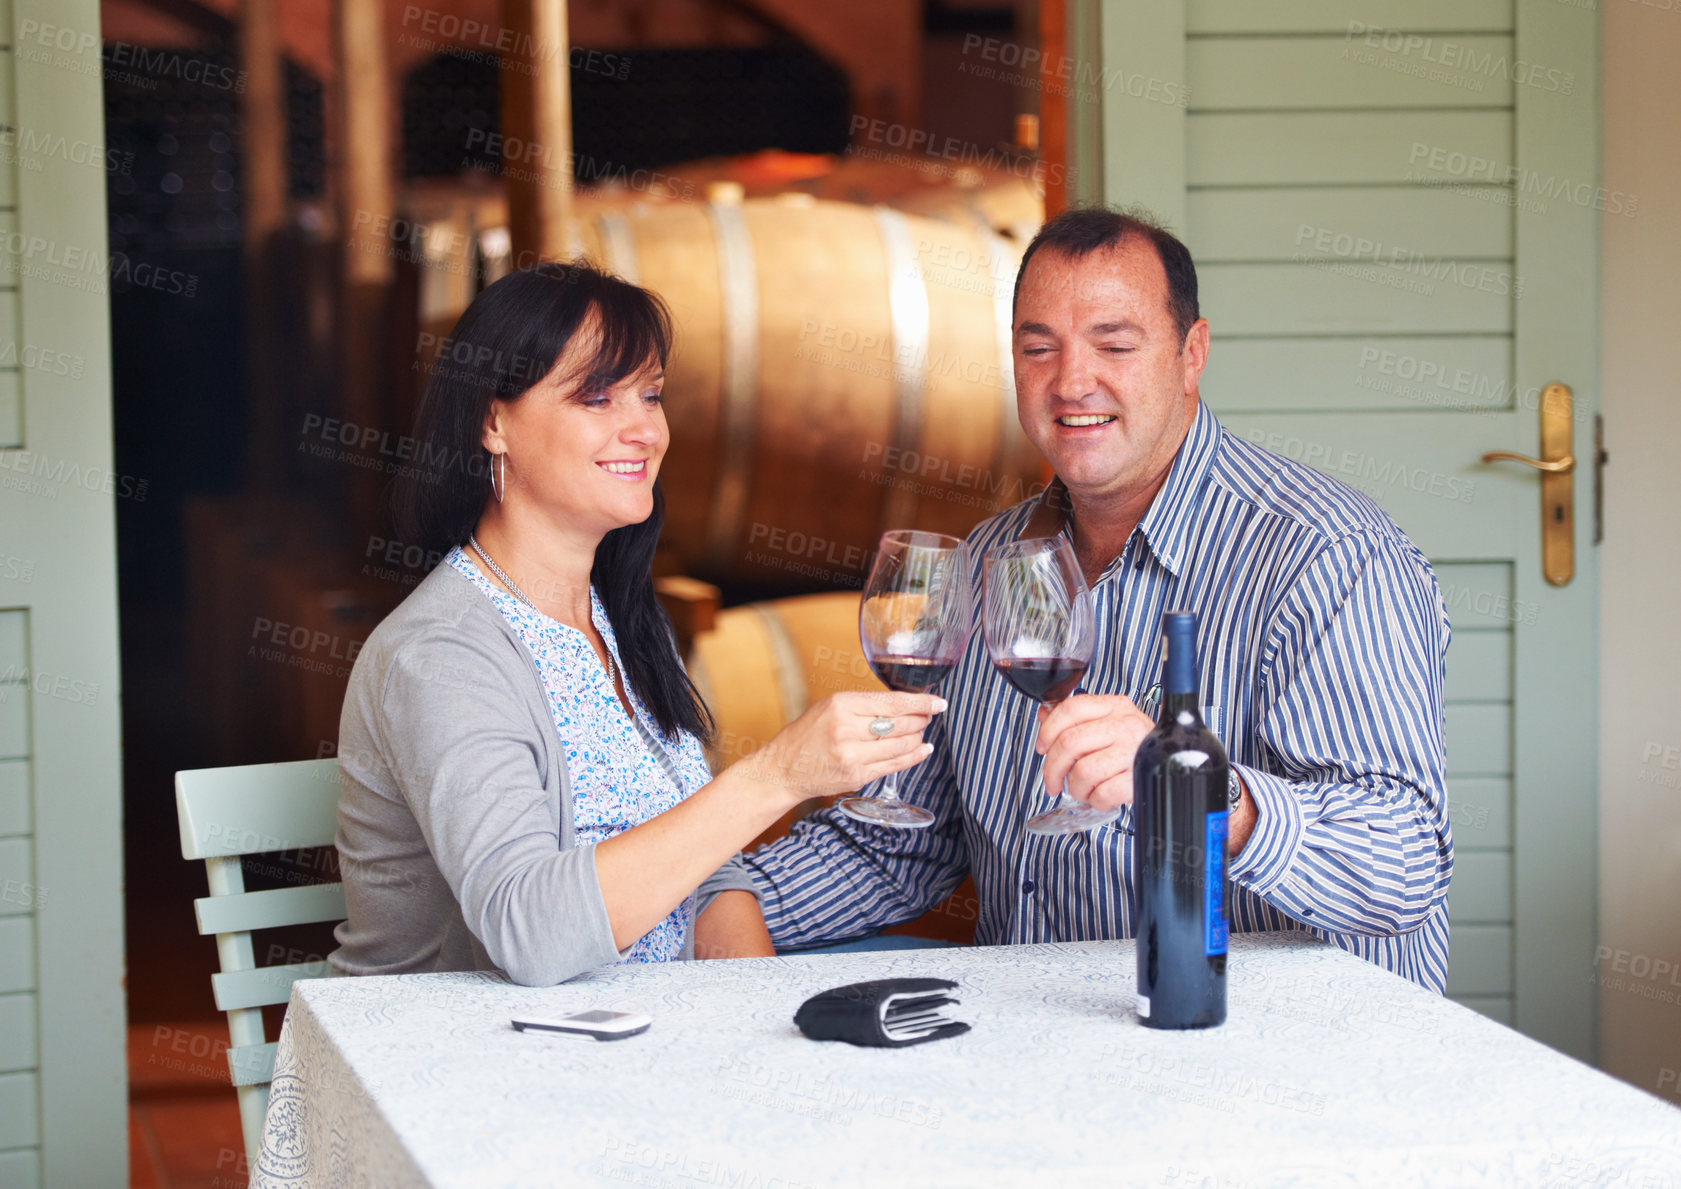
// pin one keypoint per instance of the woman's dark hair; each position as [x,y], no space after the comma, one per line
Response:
[508,339]
[1082,230]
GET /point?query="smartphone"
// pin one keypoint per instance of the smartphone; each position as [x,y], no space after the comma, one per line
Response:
[603,1025]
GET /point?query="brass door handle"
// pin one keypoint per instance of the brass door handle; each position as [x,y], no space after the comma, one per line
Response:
[1557,466]
[1558,488]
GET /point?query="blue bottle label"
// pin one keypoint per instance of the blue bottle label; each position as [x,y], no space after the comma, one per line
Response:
[1214,885]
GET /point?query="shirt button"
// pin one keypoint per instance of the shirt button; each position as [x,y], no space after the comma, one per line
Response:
[1027,887]
[1139,564]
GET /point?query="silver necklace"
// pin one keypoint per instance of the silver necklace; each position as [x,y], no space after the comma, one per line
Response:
[653,746]
[473,540]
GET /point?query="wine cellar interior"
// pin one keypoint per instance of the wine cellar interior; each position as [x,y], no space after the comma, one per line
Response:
[833,203]
[1434,249]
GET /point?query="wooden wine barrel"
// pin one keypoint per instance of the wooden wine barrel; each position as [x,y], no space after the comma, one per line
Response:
[451,238]
[1011,205]
[1006,201]
[760,666]
[839,371]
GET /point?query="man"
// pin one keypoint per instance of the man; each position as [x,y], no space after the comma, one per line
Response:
[1321,636]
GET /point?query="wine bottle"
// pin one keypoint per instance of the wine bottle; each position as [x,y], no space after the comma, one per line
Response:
[1179,806]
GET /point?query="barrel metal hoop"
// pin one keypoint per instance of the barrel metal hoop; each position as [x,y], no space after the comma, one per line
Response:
[618,245]
[1010,437]
[790,669]
[739,283]
[907,312]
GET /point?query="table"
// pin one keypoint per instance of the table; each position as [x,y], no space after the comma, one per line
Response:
[1329,1071]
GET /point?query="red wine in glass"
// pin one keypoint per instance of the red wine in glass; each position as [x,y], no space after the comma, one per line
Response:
[914,621]
[1040,633]
[1044,679]
[910,674]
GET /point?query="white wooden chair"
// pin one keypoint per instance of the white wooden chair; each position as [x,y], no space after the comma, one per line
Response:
[256,809]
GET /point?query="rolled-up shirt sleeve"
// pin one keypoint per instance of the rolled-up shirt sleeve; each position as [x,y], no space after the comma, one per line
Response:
[1352,830]
[473,784]
[733,876]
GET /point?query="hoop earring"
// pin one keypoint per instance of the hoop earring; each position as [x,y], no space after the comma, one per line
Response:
[496,489]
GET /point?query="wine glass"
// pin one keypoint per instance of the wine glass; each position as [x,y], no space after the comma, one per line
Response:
[1040,633]
[914,622]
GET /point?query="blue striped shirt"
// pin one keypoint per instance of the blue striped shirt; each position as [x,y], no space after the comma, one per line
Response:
[1320,646]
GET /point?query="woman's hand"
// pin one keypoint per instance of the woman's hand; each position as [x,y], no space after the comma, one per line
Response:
[831,749]
[648,869]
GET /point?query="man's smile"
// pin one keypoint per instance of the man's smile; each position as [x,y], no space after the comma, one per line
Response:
[1084,420]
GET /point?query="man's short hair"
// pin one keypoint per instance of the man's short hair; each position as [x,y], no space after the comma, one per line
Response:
[1082,230]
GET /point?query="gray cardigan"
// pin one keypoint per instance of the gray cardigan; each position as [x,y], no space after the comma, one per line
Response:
[455,833]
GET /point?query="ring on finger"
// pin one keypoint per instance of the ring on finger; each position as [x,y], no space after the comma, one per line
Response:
[881,727]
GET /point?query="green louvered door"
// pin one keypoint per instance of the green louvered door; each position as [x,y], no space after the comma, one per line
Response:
[1393,207]
[62,1086]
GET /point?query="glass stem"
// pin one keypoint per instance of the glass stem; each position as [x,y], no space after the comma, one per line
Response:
[889,788]
[1065,799]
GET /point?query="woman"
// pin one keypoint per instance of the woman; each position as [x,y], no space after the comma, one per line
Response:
[524,787]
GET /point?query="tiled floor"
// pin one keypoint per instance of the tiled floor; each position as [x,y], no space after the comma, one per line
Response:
[183,1120]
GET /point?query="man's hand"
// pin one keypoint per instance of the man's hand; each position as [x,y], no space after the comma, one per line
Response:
[1090,740]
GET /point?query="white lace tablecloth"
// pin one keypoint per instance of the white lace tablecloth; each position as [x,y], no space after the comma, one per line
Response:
[1328,1072]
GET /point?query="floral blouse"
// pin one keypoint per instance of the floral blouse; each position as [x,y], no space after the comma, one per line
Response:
[617,778]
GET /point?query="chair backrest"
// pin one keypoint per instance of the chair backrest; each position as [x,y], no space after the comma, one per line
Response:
[225,813]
